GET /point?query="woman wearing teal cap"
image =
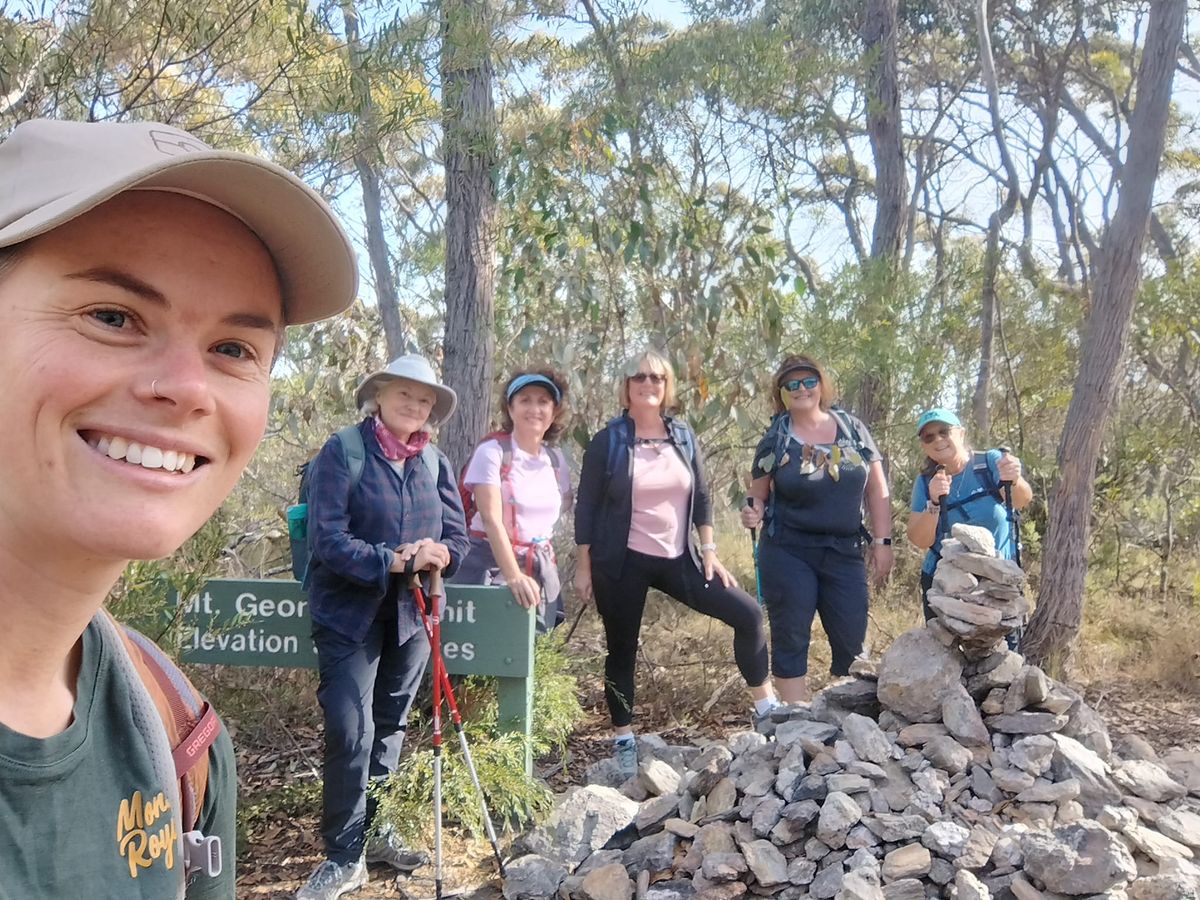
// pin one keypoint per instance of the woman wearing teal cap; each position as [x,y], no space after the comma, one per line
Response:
[958,485]
[520,485]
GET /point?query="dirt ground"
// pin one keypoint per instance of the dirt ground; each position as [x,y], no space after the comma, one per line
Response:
[282,849]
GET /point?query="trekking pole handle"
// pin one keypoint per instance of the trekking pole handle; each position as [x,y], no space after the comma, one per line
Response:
[937,470]
[435,582]
[753,531]
[1005,451]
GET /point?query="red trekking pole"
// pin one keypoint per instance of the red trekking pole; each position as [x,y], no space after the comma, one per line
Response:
[443,688]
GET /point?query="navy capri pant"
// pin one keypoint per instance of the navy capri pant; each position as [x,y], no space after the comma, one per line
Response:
[823,575]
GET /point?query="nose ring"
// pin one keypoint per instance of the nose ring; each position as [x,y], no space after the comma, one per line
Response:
[154,390]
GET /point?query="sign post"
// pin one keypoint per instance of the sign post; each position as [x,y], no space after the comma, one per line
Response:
[266,622]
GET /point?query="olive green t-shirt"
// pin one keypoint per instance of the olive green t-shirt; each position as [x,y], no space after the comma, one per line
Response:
[82,814]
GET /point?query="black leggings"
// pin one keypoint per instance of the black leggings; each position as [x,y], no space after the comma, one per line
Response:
[622,600]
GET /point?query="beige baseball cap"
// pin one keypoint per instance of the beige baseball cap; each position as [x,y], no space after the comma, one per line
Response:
[53,171]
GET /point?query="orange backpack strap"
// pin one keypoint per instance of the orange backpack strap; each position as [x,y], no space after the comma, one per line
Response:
[191,722]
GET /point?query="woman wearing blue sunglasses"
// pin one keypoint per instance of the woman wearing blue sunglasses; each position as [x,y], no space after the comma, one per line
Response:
[812,471]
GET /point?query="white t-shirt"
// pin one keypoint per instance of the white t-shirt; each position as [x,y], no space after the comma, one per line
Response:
[536,487]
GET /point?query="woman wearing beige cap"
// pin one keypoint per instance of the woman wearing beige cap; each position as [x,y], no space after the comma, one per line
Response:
[145,280]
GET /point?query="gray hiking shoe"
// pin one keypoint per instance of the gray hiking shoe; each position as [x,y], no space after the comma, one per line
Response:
[387,850]
[330,880]
[626,756]
[764,723]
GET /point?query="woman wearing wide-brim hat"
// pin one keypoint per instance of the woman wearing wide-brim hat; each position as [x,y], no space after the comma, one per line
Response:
[368,534]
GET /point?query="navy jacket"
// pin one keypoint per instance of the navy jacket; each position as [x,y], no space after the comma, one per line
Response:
[353,533]
[604,505]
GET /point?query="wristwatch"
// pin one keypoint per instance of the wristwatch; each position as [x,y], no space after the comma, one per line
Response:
[884,541]
[932,507]
[704,548]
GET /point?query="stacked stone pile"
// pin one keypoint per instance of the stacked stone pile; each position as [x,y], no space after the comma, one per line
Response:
[977,598]
[950,772]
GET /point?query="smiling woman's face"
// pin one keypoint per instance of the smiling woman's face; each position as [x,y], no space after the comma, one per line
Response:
[135,362]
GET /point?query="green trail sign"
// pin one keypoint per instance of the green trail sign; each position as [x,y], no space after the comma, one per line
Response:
[266,622]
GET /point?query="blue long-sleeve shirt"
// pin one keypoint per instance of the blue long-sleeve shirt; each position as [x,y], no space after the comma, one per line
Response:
[353,533]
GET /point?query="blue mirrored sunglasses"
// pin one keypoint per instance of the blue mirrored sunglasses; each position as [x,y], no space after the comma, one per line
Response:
[808,383]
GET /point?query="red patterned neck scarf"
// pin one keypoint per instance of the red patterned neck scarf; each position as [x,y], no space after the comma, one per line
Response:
[394,448]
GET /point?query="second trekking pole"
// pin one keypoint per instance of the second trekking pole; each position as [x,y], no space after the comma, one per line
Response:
[1014,530]
[435,591]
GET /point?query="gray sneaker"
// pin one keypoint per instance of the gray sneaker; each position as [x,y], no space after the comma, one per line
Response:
[386,849]
[330,880]
[627,758]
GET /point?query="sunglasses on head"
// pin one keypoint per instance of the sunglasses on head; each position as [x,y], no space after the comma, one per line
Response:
[928,437]
[808,382]
[652,377]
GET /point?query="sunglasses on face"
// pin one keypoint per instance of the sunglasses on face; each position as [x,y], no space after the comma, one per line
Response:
[808,383]
[928,437]
[652,377]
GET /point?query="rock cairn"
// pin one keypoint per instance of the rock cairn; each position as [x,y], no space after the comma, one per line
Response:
[977,598]
[955,770]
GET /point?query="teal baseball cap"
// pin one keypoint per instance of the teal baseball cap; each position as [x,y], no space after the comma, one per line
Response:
[938,414]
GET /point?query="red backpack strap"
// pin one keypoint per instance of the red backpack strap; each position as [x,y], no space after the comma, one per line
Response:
[190,721]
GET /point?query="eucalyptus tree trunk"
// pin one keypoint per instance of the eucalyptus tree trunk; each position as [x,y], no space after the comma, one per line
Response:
[366,163]
[981,406]
[880,37]
[469,123]
[1056,622]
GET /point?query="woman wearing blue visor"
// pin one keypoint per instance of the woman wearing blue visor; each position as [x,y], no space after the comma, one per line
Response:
[515,487]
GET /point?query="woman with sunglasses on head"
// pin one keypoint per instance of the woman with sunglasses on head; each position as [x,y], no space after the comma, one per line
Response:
[520,485]
[643,500]
[958,485]
[812,471]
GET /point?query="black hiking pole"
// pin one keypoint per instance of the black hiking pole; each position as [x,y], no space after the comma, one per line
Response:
[445,688]
[1014,532]
[754,552]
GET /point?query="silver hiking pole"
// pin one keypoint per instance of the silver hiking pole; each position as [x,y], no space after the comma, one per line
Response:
[447,692]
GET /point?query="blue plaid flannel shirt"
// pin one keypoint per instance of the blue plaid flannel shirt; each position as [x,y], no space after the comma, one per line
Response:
[353,533]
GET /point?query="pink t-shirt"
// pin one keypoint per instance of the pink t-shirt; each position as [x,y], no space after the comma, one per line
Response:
[662,487]
[536,487]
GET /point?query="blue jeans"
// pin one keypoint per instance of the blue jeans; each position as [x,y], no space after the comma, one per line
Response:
[827,577]
[366,690]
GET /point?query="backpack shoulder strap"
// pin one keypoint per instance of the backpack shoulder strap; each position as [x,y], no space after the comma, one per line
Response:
[850,425]
[429,456]
[190,721]
[356,452]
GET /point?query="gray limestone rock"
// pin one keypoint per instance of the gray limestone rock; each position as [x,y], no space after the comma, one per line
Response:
[857,885]
[723,866]
[1157,846]
[655,853]
[980,844]
[969,887]
[947,753]
[766,862]
[827,883]
[847,783]
[1073,760]
[801,871]
[1184,766]
[974,538]
[609,882]
[722,798]
[946,839]
[961,717]
[767,815]
[1164,887]
[915,674]
[1181,825]
[1033,753]
[920,734]
[904,889]
[1007,666]
[909,861]
[896,827]
[1026,723]
[532,877]
[655,811]
[867,739]
[951,580]
[585,818]
[1005,571]
[838,815]
[658,777]
[964,610]
[1148,780]
[1082,858]
[795,729]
